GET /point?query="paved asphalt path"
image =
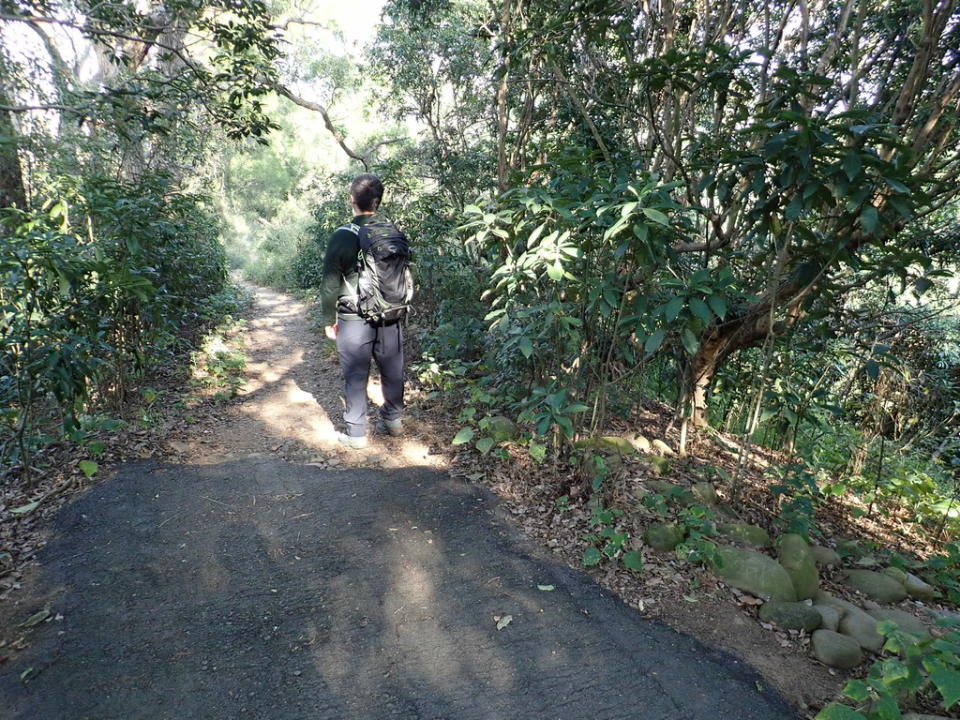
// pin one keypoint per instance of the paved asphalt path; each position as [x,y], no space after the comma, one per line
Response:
[259,589]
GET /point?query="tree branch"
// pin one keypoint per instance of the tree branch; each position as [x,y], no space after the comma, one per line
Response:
[99,32]
[328,123]
[285,25]
[376,146]
[583,111]
[30,108]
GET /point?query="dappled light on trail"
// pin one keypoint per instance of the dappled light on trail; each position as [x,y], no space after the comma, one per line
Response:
[417,615]
[266,589]
[414,452]
[290,404]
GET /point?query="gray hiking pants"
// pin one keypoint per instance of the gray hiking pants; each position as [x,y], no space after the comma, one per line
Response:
[357,342]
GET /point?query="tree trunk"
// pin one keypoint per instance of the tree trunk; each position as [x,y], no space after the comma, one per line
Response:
[747,329]
[12,192]
[503,111]
[700,373]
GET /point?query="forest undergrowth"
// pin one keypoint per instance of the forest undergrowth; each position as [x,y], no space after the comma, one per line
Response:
[595,525]
[206,367]
[687,276]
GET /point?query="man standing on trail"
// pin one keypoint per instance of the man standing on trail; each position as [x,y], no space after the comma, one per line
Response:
[361,335]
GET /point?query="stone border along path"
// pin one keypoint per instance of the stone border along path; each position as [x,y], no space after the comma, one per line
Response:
[240,585]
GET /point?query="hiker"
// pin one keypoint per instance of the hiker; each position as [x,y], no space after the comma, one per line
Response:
[365,291]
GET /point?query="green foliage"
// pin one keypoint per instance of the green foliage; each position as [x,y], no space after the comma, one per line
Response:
[763,247]
[220,363]
[450,283]
[658,502]
[440,379]
[752,195]
[943,571]
[925,674]
[94,283]
[798,494]
[465,435]
[609,541]
[429,45]
[553,411]
[661,503]
[489,431]
[222,74]
[307,264]
[565,316]
[699,524]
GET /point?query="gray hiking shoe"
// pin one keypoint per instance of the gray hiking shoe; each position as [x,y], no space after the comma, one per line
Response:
[390,427]
[352,443]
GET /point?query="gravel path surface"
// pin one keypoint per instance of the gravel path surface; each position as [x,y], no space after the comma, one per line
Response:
[264,589]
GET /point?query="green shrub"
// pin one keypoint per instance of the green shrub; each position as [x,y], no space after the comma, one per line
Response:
[95,282]
[925,673]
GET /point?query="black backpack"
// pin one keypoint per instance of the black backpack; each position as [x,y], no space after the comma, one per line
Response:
[385,285]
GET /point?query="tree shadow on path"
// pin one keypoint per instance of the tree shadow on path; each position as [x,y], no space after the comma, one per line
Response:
[269,590]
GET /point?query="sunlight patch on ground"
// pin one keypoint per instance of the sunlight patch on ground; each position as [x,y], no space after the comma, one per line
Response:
[418,617]
[414,452]
[297,396]
[375,391]
[262,374]
[291,401]
[416,622]
[289,411]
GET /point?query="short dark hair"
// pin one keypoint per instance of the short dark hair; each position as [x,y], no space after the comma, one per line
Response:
[366,191]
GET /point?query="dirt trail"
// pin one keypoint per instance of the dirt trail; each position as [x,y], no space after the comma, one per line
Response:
[290,405]
[267,574]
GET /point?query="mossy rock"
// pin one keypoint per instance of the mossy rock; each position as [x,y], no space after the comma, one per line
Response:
[862,627]
[796,558]
[705,493]
[824,598]
[896,573]
[791,615]
[752,535]
[663,537]
[502,428]
[617,444]
[726,512]
[674,493]
[836,650]
[829,616]
[661,487]
[876,585]
[659,465]
[850,548]
[918,589]
[607,443]
[904,620]
[614,461]
[659,446]
[824,556]
[936,614]
[755,573]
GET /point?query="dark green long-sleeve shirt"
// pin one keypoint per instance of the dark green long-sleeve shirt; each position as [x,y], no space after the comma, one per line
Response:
[340,272]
